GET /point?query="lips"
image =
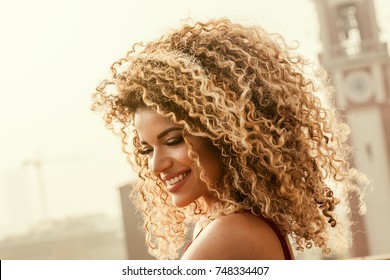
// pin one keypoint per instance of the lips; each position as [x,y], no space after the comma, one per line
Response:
[174,182]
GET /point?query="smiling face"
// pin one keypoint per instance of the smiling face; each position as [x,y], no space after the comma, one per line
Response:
[163,143]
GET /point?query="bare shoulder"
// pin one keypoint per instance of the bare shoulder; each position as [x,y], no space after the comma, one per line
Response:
[236,236]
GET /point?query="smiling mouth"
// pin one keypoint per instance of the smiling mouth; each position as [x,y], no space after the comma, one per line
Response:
[177,179]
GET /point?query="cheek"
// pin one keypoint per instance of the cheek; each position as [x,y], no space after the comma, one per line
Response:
[212,163]
[181,156]
[215,170]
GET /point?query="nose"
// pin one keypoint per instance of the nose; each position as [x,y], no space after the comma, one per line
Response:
[159,162]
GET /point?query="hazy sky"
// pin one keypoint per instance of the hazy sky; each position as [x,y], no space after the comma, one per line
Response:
[52,56]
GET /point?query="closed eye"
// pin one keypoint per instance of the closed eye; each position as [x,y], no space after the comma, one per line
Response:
[174,141]
[145,151]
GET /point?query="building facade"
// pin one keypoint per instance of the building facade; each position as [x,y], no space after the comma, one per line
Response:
[359,66]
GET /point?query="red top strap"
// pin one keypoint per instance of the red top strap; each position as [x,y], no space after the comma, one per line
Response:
[282,239]
[193,239]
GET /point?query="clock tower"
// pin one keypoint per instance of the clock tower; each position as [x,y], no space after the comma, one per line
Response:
[359,66]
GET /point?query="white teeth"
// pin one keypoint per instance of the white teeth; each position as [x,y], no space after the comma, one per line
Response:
[177,178]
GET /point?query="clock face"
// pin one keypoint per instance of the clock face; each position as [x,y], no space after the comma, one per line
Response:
[359,86]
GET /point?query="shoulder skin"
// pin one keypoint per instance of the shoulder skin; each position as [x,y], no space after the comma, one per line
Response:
[241,236]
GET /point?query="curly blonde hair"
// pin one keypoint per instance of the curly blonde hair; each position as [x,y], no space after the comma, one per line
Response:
[244,90]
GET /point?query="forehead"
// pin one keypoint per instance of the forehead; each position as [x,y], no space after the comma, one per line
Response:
[148,123]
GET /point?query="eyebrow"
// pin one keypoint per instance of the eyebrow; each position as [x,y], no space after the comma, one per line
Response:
[165,132]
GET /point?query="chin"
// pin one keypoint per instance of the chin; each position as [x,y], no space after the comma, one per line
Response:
[181,202]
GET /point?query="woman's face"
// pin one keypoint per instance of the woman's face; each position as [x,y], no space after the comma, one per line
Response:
[162,142]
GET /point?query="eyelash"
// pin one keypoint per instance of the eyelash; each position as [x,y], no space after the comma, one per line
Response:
[174,141]
[145,151]
[169,142]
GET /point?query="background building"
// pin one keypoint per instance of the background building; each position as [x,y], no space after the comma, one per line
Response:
[92,237]
[359,66]
[135,238]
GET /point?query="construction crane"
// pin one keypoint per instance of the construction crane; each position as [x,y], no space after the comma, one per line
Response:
[37,163]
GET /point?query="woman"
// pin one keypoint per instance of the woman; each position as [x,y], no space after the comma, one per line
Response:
[228,133]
